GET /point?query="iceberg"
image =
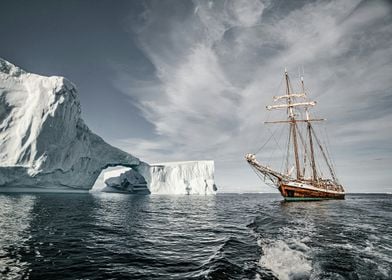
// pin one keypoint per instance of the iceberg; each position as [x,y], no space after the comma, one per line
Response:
[125,181]
[44,141]
[186,177]
[45,145]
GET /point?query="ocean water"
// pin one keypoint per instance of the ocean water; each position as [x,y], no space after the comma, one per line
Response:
[228,236]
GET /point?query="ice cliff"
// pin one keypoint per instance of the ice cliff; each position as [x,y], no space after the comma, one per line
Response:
[188,177]
[43,140]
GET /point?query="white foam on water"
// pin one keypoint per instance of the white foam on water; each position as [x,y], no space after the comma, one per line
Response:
[284,262]
[287,255]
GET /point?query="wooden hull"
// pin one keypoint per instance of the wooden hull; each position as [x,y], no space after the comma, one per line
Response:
[296,193]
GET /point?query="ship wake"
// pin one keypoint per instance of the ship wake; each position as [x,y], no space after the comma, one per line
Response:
[285,251]
[284,261]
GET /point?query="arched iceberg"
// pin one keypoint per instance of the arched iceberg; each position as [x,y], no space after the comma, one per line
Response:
[44,142]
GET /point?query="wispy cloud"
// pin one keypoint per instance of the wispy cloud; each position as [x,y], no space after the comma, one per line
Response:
[218,63]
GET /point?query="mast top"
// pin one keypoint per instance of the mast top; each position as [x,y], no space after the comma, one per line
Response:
[290,99]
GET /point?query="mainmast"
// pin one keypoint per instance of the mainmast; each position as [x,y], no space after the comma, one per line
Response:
[309,127]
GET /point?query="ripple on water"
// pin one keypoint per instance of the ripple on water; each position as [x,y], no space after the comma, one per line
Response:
[249,236]
[15,218]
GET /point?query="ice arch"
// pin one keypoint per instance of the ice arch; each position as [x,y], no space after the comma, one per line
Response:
[123,179]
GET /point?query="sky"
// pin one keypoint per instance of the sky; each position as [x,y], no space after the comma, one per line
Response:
[190,80]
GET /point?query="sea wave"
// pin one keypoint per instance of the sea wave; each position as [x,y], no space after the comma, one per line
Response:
[284,261]
[68,236]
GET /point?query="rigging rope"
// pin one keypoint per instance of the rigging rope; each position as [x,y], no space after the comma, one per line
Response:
[330,158]
[262,146]
[269,159]
[267,116]
[263,178]
[324,155]
[284,159]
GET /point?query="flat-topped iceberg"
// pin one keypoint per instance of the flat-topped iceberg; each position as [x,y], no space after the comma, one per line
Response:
[187,177]
[44,141]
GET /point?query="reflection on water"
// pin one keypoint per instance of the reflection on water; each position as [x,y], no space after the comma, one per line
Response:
[15,218]
[249,236]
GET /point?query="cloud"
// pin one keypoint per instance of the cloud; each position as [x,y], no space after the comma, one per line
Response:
[218,64]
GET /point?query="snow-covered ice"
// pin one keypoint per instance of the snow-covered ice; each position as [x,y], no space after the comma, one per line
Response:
[46,145]
[128,181]
[187,177]
[44,141]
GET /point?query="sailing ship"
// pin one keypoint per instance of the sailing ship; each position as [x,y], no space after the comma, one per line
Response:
[302,177]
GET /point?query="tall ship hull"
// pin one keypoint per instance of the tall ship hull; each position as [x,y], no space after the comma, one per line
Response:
[293,191]
[308,172]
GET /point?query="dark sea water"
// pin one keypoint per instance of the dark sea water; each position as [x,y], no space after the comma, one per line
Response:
[249,236]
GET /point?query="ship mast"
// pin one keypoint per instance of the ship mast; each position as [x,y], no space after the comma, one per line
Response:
[290,105]
[293,124]
[309,127]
